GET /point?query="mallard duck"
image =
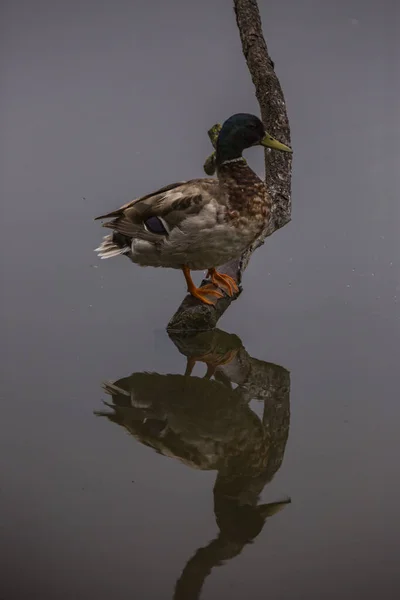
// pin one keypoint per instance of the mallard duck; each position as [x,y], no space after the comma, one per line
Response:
[201,223]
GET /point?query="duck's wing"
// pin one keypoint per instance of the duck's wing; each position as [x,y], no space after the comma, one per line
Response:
[118,211]
[163,210]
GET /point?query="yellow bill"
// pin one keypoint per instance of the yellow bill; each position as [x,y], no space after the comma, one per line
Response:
[271,142]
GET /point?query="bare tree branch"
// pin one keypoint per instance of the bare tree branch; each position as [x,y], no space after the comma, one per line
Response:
[192,314]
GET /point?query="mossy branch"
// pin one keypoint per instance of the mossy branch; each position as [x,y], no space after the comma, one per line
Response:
[209,165]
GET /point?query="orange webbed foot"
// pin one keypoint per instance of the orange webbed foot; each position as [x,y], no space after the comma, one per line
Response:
[204,292]
[223,281]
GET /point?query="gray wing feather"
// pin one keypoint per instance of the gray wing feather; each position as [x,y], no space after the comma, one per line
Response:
[173,203]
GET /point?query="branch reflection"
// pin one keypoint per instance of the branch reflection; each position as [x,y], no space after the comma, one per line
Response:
[207,423]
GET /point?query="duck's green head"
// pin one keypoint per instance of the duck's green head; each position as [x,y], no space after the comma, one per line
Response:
[242,131]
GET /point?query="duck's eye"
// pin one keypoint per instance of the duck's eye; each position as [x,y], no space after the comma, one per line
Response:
[155,225]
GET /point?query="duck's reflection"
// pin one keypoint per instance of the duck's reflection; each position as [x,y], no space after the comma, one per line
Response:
[207,424]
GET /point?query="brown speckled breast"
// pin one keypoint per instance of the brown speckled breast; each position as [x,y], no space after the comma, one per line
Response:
[248,198]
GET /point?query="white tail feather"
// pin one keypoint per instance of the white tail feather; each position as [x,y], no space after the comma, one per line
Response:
[108,249]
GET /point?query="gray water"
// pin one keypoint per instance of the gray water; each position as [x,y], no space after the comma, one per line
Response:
[186,484]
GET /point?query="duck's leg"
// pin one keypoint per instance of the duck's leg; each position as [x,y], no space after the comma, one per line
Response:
[203,292]
[190,364]
[212,360]
[225,282]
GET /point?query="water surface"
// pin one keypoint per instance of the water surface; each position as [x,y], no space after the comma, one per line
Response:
[184,484]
